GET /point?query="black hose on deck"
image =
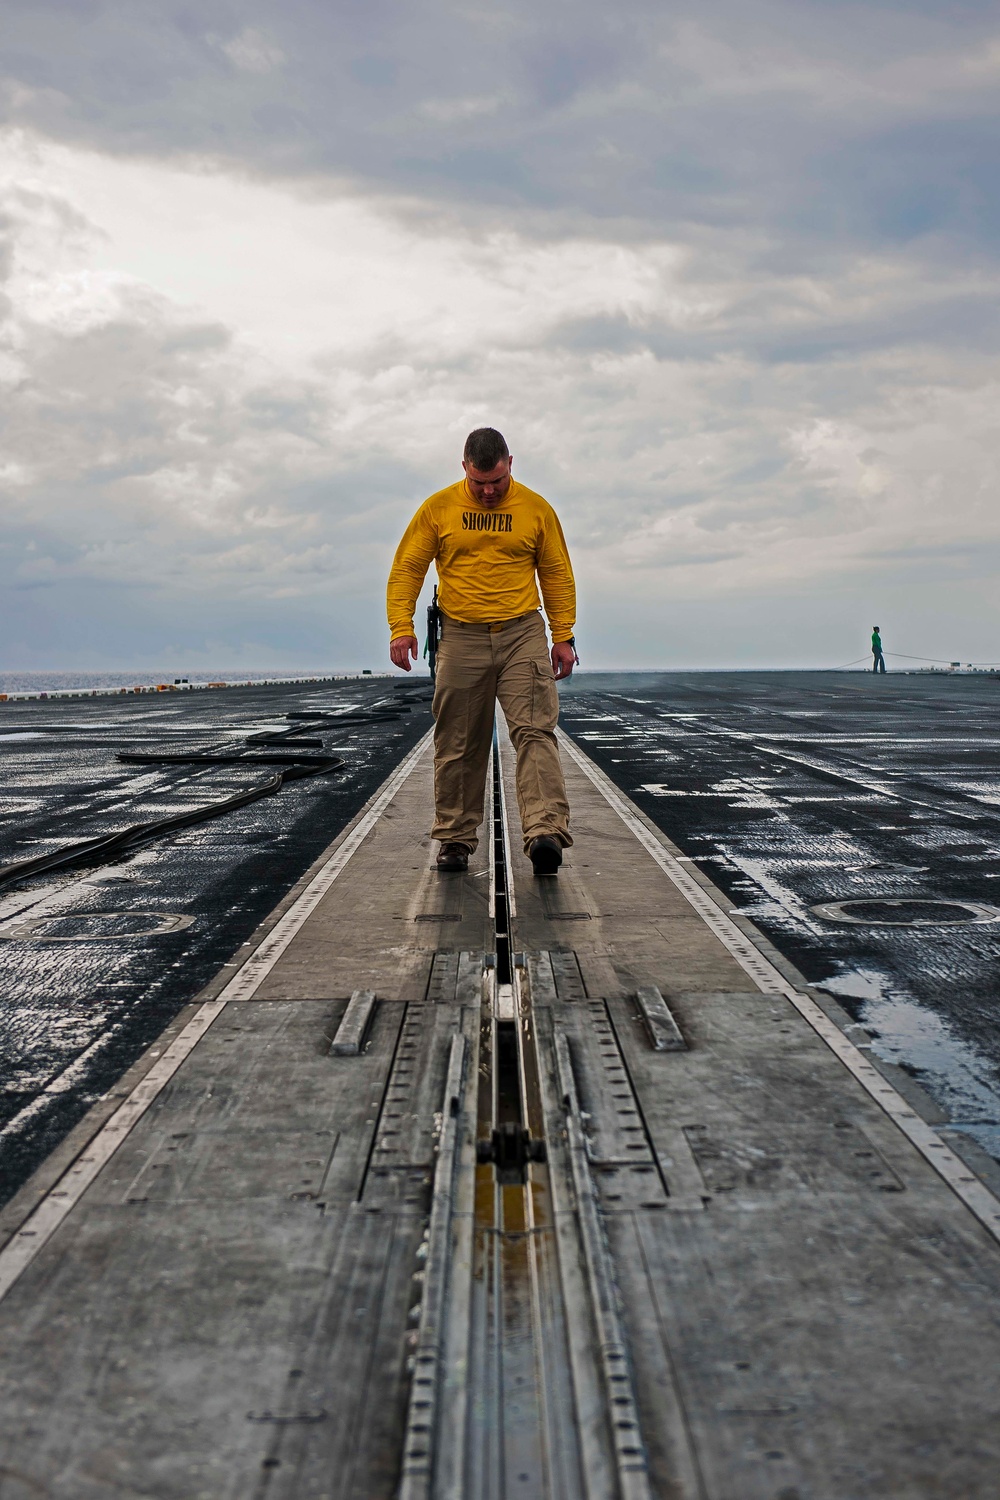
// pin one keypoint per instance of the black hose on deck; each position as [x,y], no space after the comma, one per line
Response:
[294,767]
[89,851]
[309,765]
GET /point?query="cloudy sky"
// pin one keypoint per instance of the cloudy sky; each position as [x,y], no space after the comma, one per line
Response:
[726,277]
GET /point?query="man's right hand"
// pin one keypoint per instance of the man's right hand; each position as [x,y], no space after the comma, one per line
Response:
[401,649]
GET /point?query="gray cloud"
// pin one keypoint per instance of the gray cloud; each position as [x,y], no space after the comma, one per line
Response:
[814,120]
[147,476]
[727,278]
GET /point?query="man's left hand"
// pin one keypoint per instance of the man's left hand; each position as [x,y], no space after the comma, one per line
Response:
[564,659]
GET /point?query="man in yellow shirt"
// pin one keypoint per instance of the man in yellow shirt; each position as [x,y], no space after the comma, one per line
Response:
[489,537]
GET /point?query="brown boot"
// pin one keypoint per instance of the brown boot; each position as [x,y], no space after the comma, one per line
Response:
[453,857]
[545,854]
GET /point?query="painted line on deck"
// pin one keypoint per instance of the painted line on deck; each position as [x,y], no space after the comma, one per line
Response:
[44,1220]
[880,788]
[956,1173]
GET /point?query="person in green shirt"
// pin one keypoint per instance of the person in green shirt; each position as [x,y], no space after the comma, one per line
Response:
[878,662]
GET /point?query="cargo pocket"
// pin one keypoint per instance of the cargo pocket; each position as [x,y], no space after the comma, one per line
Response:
[544,697]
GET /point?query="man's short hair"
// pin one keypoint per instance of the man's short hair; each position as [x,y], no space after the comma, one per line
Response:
[485,448]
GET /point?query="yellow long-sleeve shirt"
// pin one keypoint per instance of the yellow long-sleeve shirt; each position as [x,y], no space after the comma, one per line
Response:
[487,558]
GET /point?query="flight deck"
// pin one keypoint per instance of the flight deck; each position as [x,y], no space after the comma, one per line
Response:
[477,1186]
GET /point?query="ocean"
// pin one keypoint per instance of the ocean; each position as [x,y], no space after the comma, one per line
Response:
[69,682]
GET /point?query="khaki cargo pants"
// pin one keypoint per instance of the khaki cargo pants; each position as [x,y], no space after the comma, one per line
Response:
[476,665]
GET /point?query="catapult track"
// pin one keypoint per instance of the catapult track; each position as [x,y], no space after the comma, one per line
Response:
[483,1186]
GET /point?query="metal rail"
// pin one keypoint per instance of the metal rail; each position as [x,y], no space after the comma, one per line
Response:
[619,1390]
[532,1338]
[422,1418]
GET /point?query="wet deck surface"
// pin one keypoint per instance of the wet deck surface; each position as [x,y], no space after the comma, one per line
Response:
[795,791]
[293,1274]
[90,984]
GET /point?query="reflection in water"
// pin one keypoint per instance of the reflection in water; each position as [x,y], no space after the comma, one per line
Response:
[910,1035]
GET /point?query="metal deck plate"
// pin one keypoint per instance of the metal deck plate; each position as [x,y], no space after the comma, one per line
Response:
[281,1271]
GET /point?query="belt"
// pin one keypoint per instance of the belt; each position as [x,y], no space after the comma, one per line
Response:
[487,627]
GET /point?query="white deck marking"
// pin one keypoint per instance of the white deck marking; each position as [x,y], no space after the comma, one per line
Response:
[880,788]
[44,1220]
[956,1173]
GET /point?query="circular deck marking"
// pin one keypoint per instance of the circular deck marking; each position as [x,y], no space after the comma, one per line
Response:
[905,911]
[96,926]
